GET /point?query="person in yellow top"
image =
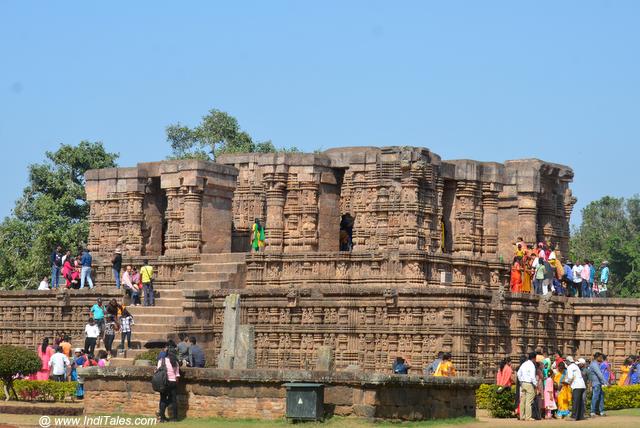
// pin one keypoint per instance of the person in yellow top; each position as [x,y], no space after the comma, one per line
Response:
[564,391]
[624,377]
[445,368]
[146,276]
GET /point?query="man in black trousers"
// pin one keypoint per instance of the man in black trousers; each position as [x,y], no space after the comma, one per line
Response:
[578,387]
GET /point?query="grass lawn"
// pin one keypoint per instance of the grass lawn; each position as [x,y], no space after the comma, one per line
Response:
[625,412]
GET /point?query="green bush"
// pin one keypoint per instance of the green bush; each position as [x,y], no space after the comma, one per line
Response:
[503,405]
[499,405]
[149,355]
[43,390]
[16,360]
[483,396]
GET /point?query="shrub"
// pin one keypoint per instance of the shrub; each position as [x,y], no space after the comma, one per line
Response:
[503,405]
[483,396]
[149,355]
[499,405]
[16,360]
[43,390]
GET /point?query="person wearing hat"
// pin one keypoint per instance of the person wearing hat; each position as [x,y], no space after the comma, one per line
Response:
[604,279]
[578,387]
[116,266]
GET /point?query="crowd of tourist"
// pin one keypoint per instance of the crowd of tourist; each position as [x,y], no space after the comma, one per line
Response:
[76,272]
[548,387]
[542,270]
[60,360]
[556,387]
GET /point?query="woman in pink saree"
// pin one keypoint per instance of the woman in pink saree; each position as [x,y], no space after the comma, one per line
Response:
[45,351]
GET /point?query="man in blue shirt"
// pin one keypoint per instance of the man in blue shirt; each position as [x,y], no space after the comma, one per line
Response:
[597,382]
[592,275]
[196,354]
[85,274]
[604,278]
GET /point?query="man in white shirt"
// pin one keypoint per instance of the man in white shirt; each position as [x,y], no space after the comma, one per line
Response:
[92,332]
[528,382]
[577,279]
[58,364]
[578,387]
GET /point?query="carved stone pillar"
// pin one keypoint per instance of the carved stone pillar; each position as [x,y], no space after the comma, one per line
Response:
[527,213]
[173,216]
[569,202]
[192,223]
[465,217]
[274,223]
[490,218]
[438,238]
[382,226]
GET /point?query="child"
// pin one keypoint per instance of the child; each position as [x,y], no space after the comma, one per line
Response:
[549,396]
[110,328]
[126,321]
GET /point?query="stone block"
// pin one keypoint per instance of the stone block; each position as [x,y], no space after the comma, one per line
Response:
[245,353]
[338,395]
[325,358]
[364,411]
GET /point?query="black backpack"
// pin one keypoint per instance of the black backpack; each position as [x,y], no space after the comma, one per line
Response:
[160,379]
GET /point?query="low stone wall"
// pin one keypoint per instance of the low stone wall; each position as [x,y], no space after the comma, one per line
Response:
[261,394]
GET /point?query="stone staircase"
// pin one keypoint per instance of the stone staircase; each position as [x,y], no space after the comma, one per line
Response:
[214,271]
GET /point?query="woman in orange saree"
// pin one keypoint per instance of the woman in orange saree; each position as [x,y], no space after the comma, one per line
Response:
[527,275]
[516,275]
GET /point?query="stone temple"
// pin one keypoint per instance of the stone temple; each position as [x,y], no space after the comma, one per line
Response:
[428,270]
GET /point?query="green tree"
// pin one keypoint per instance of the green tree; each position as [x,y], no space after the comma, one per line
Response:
[14,360]
[51,211]
[217,133]
[610,230]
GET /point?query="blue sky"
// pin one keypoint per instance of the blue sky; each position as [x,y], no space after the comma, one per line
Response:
[487,80]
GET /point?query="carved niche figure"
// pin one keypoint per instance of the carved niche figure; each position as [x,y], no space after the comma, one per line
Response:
[341,270]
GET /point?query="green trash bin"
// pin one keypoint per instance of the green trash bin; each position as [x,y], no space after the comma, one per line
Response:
[305,401]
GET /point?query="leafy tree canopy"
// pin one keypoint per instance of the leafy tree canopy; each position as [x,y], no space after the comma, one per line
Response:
[610,230]
[217,133]
[16,360]
[51,211]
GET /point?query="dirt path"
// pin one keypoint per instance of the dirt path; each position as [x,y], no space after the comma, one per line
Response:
[614,421]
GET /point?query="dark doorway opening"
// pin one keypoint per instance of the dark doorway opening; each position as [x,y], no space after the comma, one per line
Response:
[448,200]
